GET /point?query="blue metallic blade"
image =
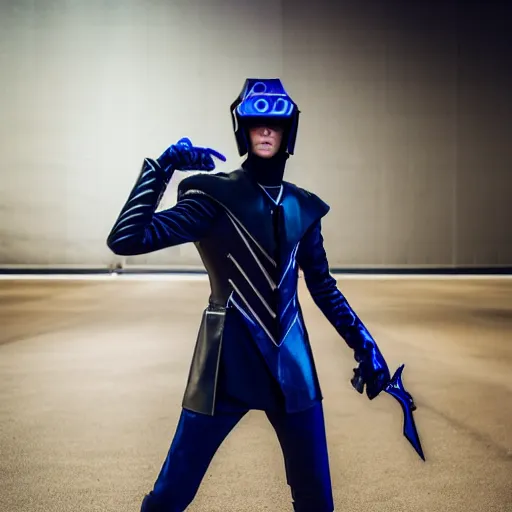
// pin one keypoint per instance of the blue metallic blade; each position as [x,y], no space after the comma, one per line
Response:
[396,389]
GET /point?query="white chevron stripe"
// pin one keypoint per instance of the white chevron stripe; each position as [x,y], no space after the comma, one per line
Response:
[150,163]
[252,238]
[143,193]
[257,318]
[123,219]
[117,240]
[145,205]
[269,279]
[255,290]
[234,218]
[145,173]
[240,309]
[125,227]
[147,182]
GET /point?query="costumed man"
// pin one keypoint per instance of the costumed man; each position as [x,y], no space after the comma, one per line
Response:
[253,232]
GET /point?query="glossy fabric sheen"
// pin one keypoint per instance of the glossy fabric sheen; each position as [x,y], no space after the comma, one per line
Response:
[198,437]
[333,304]
[268,309]
[244,380]
[265,98]
[230,214]
[139,230]
[199,390]
[265,101]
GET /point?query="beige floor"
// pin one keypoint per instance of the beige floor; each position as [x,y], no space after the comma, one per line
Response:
[92,374]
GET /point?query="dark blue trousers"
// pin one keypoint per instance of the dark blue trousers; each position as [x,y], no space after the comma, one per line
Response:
[198,437]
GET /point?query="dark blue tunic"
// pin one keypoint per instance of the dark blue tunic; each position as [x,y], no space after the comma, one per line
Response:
[248,372]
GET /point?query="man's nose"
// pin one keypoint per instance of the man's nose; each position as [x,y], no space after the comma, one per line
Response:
[265,131]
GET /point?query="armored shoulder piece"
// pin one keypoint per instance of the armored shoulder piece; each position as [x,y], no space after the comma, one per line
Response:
[245,203]
[214,186]
[236,187]
[310,203]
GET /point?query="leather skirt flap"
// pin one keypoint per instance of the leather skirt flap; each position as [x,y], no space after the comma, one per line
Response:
[202,379]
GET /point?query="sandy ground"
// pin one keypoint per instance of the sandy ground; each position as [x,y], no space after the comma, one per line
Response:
[92,374]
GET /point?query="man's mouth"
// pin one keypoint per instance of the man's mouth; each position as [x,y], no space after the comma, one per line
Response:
[265,145]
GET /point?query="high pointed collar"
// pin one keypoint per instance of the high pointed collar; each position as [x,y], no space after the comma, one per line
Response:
[266,171]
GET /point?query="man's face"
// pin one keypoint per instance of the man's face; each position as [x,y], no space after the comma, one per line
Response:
[265,140]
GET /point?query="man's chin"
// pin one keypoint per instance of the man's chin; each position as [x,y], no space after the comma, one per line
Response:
[264,154]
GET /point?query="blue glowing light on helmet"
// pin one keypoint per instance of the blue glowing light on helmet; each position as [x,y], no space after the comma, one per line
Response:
[264,100]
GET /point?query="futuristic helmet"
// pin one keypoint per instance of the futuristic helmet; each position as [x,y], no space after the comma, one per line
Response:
[264,100]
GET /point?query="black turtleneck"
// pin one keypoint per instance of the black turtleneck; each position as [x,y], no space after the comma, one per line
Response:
[266,171]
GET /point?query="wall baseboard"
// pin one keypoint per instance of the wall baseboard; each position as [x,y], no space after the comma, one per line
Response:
[12,270]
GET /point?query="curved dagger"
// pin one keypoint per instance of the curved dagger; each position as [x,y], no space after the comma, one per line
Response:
[396,389]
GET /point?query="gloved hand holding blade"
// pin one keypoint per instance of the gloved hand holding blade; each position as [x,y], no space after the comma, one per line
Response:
[396,389]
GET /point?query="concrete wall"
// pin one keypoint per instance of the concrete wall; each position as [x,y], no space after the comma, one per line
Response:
[405,127]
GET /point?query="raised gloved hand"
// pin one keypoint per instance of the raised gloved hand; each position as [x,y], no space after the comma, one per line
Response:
[372,372]
[183,156]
